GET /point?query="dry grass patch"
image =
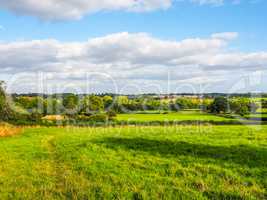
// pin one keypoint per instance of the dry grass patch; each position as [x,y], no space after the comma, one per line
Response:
[54,117]
[8,130]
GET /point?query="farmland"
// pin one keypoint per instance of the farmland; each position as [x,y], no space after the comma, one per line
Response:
[186,162]
[120,148]
[193,115]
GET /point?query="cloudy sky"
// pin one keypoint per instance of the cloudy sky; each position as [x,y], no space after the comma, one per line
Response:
[133,46]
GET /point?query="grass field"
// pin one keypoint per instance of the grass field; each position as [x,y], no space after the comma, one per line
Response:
[178,162]
[178,116]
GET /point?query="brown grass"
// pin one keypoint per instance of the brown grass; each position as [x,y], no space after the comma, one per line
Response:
[54,117]
[8,130]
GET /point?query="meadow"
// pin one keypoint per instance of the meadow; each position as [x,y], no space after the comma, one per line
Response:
[189,115]
[173,162]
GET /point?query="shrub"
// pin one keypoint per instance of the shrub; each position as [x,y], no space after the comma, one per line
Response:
[98,118]
[111,114]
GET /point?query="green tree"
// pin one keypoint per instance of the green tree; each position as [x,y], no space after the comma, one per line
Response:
[92,104]
[32,104]
[219,105]
[107,100]
[5,110]
[243,106]
[70,101]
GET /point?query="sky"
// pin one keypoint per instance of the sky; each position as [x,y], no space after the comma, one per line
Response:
[133,46]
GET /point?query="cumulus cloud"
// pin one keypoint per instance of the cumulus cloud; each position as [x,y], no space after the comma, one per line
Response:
[131,58]
[128,58]
[76,9]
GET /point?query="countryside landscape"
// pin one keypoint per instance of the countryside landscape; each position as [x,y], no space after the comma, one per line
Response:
[175,107]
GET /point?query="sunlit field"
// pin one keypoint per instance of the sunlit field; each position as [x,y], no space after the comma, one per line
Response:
[178,162]
[175,116]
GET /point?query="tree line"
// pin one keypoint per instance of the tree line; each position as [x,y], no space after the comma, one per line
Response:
[95,107]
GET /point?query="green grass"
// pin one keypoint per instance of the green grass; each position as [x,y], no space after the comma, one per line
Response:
[260,115]
[262,110]
[178,116]
[179,162]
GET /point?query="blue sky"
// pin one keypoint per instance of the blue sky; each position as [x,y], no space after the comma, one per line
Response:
[179,21]
[183,20]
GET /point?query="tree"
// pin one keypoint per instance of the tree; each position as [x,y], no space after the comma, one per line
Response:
[185,103]
[107,100]
[70,101]
[5,110]
[32,104]
[219,105]
[92,104]
[243,106]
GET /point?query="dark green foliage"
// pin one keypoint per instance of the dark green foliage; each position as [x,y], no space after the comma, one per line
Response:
[70,102]
[6,112]
[53,106]
[111,114]
[32,104]
[243,106]
[92,104]
[183,103]
[108,101]
[219,105]
[98,118]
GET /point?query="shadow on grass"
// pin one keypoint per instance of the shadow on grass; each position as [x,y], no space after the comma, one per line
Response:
[263,119]
[239,154]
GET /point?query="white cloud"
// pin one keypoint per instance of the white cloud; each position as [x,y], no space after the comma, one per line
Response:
[76,9]
[225,36]
[131,58]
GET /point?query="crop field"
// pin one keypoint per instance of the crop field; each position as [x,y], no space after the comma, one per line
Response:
[176,116]
[174,162]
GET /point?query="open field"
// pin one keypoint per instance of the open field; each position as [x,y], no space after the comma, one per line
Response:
[176,116]
[178,162]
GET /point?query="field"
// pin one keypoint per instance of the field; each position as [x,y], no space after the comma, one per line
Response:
[178,162]
[177,116]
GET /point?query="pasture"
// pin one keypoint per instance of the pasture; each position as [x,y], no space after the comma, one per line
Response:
[193,115]
[174,162]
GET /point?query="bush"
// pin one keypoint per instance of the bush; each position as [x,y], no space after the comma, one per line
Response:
[98,118]
[111,114]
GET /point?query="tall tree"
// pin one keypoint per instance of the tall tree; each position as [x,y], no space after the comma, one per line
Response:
[92,104]
[5,110]
[219,105]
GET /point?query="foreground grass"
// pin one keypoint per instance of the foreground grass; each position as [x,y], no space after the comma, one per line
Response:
[183,162]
